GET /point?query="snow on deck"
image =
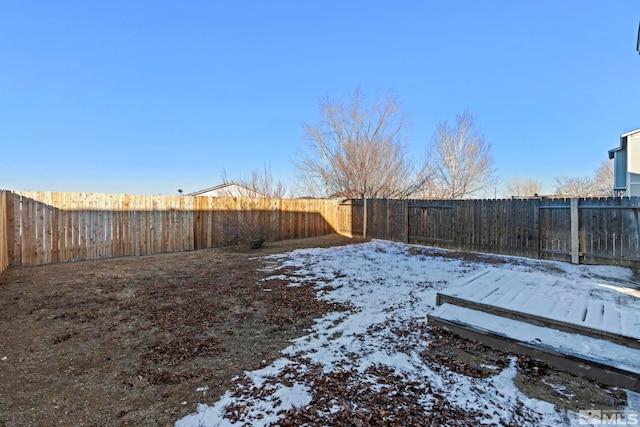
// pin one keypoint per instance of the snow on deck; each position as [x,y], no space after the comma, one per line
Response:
[587,348]
[588,303]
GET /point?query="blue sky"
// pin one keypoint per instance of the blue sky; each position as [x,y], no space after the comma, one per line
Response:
[152,96]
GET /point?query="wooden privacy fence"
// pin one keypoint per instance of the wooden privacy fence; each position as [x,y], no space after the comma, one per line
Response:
[603,230]
[495,226]
[50,227]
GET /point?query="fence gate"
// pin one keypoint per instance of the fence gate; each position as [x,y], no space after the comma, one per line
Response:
[430,223]
[555,229]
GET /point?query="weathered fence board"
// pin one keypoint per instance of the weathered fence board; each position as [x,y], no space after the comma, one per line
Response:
[555,229]
[498,226]
[430,221]
[608,230]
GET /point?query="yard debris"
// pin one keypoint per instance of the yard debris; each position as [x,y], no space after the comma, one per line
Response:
[257,243]
[532,368]
[382,398]
[466,357]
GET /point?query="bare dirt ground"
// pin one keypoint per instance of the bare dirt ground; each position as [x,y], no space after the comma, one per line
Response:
[128,341]
[140,341]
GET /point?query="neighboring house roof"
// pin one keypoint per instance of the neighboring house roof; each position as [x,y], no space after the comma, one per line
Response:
[230,189]
[633,132]
[345,194]
[623,142]
[613,150]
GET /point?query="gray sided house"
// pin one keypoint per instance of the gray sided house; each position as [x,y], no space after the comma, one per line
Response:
[626,164]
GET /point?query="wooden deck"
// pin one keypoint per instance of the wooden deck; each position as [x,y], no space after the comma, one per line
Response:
[591,309]
[590,329]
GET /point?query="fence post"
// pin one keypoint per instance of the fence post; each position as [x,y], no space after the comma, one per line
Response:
[364,223]
[575,227]
[4,245]
[536,222]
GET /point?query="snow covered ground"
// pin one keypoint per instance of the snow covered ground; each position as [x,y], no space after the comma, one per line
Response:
[365,363]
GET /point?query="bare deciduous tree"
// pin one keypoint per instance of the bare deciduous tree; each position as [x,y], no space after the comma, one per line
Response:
[358,151]
[582,186]
[523,187]
[604,179]
[460,159]
[601,185]
[253,227]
